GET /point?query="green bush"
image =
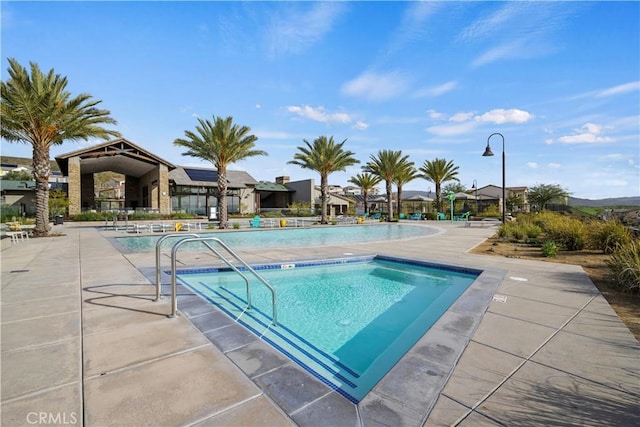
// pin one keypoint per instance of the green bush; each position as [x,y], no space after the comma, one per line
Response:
[236,225]
[531,230]
[571,233]
[624,267]
[550,249]
[93,216]
[606,236]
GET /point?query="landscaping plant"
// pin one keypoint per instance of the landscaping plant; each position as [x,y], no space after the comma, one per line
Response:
[624,267]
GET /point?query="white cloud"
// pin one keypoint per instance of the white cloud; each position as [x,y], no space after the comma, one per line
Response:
[554,165]
[360,125]
[461,117]
[532,165]
[587,134]
[376,87]
[447,130]
[436,90]
[433,114]
[467,121]
[500,116]
[620,89]
[258,106]
[319,114]
[295,31]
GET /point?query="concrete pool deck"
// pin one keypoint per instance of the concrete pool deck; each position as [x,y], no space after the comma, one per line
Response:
[84,344]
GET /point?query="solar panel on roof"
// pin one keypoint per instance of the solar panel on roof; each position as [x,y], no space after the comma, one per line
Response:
[202,175]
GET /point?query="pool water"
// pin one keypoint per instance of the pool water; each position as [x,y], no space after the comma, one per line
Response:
[346,321]
[296,237]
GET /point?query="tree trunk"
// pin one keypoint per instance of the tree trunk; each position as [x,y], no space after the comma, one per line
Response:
[222,201]
[399,200]
[41,172]
[366,208]
[324,189]
[389,201]
[438,198]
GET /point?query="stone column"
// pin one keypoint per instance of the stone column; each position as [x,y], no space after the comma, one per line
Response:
[74,188]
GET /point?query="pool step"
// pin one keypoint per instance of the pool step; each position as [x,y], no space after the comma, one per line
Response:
[325,367]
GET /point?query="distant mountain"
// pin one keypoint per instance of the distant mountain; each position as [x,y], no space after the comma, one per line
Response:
[616,201]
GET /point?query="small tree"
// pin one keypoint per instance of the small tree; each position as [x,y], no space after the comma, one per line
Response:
[58,202]
[542,194]
[18,176]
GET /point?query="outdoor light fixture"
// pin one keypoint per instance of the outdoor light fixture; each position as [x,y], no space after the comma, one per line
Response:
[488,153]
[475,187]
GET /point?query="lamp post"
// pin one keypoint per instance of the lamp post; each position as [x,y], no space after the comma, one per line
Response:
[488,152]
[475,187]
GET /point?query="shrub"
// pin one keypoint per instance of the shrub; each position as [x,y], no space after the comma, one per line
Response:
[532,231]
[236,225]
[608,235]
[624,267]
[571,233]
[550,249]
[93,216]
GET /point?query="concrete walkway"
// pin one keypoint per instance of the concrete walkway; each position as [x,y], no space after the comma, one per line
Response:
[83,343]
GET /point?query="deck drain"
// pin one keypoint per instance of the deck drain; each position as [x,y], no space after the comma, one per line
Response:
[18,271]
[500,298]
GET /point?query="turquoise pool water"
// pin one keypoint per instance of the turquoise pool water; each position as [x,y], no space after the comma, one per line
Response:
[346,321]
[295,237]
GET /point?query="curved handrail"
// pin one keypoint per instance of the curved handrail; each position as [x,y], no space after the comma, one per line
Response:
[205,240]
[158,244]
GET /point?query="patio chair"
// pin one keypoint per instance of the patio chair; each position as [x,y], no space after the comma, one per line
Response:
[376,215]
[402,216]
[462,217]
[416,216]
[441,216]
[255,222]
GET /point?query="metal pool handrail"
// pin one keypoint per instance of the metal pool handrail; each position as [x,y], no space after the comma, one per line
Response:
[158,244]
[205,241]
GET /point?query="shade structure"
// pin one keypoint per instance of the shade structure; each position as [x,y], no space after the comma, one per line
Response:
[419,198]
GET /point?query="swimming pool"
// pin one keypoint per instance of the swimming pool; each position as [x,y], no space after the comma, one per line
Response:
[296,237]
[346,321]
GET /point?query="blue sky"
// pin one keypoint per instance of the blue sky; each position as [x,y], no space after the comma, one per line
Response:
[560,81]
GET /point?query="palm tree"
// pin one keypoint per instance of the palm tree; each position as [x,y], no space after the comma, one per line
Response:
[439,171]
[542,194]
[222,143]
[324,157]
[386,166]
[366,182]
[37,109]
[406,173]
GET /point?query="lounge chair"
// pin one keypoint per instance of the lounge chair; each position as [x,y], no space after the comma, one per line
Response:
[402,216]
[376,215]
[441,216]
[462,217]
[416,216]
[255,222]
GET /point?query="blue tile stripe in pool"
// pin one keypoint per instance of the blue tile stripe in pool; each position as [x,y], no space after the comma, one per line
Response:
[277,346]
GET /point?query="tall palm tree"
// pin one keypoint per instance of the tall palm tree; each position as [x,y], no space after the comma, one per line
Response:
[406,173]
[222,143]
[365,181]
[37,109]
[386,166]
[439,171]
[324,157]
